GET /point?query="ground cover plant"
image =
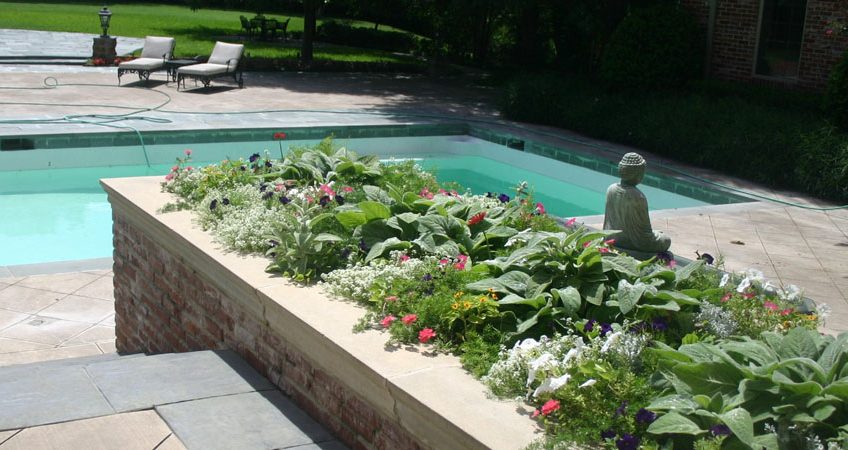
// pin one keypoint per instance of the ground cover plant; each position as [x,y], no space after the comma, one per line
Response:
[611,351]
[195,31]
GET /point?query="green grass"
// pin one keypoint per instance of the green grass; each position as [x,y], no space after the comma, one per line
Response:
[195,31]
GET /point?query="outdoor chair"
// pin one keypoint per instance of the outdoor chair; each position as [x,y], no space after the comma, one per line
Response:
[224,61]
[247,26]
[282,27]
[156,51]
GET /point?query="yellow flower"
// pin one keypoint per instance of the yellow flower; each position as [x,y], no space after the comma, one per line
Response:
[454,305]
[466,305]
[458,294]
[483,299]
[812,318]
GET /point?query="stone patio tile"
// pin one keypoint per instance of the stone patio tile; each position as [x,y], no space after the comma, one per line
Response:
[795,250]
[142,430]
[49,354]
[108,321]
[94,334]
[102,289]
[66,283]
[27,300]
[171,443]
[140,383]
[8,318]
[797,263]
[256,420]
[107,347]
[17,345]
[80,309]
[728,223]
[329,445]
[45,330]
[5,273]
[5,435]
[33,394]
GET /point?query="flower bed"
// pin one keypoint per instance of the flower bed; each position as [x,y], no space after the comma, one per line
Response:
[610,351]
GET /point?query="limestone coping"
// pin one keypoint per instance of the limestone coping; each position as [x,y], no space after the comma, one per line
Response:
[430,395]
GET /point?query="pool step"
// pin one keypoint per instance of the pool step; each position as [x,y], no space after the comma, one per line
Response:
[209,399]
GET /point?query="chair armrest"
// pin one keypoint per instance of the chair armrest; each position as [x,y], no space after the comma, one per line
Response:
[231,60]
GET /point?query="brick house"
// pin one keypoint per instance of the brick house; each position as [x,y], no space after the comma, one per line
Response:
[780,42]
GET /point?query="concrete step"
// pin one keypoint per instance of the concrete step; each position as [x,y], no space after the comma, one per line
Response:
[210,399]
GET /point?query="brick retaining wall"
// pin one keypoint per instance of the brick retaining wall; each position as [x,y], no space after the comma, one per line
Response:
[163,305]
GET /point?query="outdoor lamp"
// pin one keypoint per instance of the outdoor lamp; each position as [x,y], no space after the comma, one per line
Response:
[105,16]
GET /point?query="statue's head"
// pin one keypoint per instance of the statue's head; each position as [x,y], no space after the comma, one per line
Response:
[631,168]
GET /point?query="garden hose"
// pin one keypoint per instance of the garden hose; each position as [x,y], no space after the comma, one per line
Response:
[109,120]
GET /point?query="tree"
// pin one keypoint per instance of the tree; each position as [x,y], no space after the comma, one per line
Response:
[310,14]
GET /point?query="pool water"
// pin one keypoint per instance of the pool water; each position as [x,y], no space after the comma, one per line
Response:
[61,214]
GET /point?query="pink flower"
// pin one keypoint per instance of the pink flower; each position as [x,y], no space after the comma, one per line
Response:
[672,263]
[461,264]
[603,250]
[587,244]
[425,335]
[748,295]
[175,168]
[169,177]
[829,32]
[347,189]
[443,261]
[409,319]
[786,312]
[425,193]
[609,242]
[536,413]
[187,152]
[387,321]
[278,187]
[571,221]
[550,406]
[770,305]
[279,135]
[404,258]
[726,297]
[454,193]
[476,218]
[443,192]
[392,298]
[540,208]
[327,190]
[309,199]
[188,169]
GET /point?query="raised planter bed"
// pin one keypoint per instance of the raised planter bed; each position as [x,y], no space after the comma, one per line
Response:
[176,290]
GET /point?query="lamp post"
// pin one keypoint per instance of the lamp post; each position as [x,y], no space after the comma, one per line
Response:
[105,16]
[104,45]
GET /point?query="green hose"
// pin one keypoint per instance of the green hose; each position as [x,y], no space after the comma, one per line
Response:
[108,120]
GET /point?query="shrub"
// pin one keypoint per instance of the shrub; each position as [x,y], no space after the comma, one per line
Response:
[652,47]
[822,168]
[339,33]
[836,96]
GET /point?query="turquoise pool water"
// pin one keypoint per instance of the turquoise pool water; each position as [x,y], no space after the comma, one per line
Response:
[61,213]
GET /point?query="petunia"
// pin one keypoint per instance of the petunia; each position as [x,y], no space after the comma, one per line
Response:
[720,430]
[588,383]
[225,201]
[285,200]
[213,204]
[387,321]
[254,157]
[659,324]
[268,164]
[605,328]
[324,200]
[340,200]
[460,265]
[627,442]
[590,325]
[425,335]
[550,406]
[570,222]
[503,198]
[409,319]
[540,208]
[551,385]
[645,417]
[609,433]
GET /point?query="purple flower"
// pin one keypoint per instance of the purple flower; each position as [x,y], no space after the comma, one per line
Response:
[324,200]
[273,243]
[720,430]
[590,325]
[267,195]
[609,433]
[243,168]
[340,200]
[665,257]
[427,277]
[268,164]
[254,157]
[605,328]
[503,198]
[645,417]
[213,204]
[225,201]
[345,253]
[659,324]
[627,442]
[285,200]
[708,258]
[263,187]
[622,409]
[363,246]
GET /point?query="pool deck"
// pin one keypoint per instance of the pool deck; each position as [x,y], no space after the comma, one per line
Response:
[58,311]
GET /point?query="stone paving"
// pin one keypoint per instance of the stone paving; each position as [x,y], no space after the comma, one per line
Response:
[54,44]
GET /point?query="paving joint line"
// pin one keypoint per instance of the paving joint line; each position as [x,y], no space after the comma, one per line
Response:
[10,437]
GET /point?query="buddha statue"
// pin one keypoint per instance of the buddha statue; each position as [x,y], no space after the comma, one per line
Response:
[627,212]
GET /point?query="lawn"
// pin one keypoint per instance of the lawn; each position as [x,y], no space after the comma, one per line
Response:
[195,31]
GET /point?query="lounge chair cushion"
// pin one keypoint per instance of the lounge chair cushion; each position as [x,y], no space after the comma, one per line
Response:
[207,69]
[158,47]
[142,64]
[226,54]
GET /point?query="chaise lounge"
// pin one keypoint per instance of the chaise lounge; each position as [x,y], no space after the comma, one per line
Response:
[156,51]
[224,61]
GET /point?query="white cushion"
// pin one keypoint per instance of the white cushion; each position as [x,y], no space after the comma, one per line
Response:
[203,69]
[227,54]
[142,64]
[158,47]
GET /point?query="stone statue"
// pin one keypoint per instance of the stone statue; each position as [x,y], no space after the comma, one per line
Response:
[627,211]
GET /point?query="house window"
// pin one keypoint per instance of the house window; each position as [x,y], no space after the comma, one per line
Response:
[781,29]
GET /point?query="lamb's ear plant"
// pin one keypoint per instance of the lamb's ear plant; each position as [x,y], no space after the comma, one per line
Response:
[797,383]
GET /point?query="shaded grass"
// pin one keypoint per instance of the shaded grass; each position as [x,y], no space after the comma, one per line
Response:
[195,31]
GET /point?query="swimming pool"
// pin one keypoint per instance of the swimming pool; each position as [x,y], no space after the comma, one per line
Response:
[55,210]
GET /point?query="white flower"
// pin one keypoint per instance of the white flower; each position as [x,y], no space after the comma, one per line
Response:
[536,365]
[724,279]
[551,384]
[574,353]
[611,340]
[589,382]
